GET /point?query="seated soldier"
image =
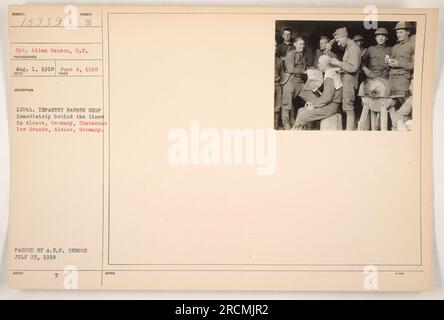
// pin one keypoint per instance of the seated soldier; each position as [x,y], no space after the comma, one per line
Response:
[402,118]
[325,105]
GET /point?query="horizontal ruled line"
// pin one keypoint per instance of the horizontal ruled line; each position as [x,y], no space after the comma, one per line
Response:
[220,270]
[86,76]
[57,59]
[68,28]
[18,42]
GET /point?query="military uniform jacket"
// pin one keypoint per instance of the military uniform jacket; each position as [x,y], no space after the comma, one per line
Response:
[374,59]
[332,90]
[283,48]
[403,52]
[295,63]
[351,61]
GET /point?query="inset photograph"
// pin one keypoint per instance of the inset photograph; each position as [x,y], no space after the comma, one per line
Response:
[340,75]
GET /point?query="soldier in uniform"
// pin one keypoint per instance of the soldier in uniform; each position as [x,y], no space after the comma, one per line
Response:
[324,49]
[349,65]
[373,60]
[278,71]
[374,63]
[286,45]
[359,40]
[401,60]
[403,115]
[295,66]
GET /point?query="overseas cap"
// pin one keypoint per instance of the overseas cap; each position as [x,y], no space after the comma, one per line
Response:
[341,32]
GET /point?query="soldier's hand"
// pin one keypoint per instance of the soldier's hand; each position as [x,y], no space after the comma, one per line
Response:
[309,106]
[368,73]
[393,63]
[334,61]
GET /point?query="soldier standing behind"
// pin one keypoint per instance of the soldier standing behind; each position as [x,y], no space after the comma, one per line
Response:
[285,46]
[401,60]
[278,71]
[324,49]
[374,65]
[359,40]
[350,64]
[292,81]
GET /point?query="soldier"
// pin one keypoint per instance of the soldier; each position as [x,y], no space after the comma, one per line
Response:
[324,49]
[359,40]
[278,71]
[402,118]
[373,60]
[327,104]
[292,81]
[349,65]
[403,115]
[286,45]
[401,60]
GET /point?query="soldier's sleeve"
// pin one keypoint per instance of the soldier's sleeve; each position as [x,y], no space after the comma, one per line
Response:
[327,95]
[277,68]
[409,64]
[280,50]
[388,51]
[289,62]
[365,57]
[300,64]
[406,108]
[392,51]
[354,60]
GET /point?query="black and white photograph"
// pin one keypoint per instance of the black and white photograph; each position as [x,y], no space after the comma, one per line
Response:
[344,75]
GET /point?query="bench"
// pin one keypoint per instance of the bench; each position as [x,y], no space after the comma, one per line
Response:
[332,123]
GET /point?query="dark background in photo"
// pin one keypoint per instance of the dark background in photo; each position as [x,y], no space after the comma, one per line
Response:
[312,31]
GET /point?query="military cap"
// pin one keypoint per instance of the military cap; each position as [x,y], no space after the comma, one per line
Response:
[381,31]
[403,25]
[341,32]
[358,37]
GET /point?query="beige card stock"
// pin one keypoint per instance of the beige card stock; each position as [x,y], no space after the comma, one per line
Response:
[143,156]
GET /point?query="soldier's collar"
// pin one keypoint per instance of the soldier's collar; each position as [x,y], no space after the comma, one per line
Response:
[403,41]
